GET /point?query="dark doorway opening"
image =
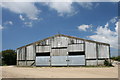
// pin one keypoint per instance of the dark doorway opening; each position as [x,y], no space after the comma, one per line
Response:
[76,53]
[43,54]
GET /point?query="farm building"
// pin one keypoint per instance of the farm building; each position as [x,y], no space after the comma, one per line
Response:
[63,50]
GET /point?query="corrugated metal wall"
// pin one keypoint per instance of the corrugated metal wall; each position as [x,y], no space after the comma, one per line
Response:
[60,46]
[18,54]
[41,49]
[30,63]
[74,41]
[90,50]
[78,60]
[30,52]
[22,63]
[91,62]
[101,62]
[103,51]
[59,52]
[59,61]
[59,42]
[43,61]
[21,54]
[75,47]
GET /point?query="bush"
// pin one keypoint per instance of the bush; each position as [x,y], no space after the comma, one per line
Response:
[9,57]
[116,58]
[107,63]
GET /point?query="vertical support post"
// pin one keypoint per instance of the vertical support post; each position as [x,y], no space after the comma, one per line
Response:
[97,53]
[50,53]
[50,58]
[84,52]
[17,62]
[35,53]
[67,54]
[26,55]
[17,57]
[109,54]
[67,58]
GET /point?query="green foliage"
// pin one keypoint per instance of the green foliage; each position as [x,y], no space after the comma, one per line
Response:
[9,57]
[116,58]
[107,63]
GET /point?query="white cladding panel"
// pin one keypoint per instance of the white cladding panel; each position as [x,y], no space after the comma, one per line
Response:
[59,61]
[74,41]
[76,47]
[41,49]
[59,52]
[90,50]
[30,52]
[22,63]
[30,63]
[76,60]
[79,41]
[101,62]
[59,42]
[103,51]
[91,62]
[21,54]
[43,61]
[17,54]
[48,42]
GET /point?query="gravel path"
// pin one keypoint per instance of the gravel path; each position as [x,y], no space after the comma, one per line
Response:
[59,72]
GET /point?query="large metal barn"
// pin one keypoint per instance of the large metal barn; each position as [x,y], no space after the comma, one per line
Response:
[63,50]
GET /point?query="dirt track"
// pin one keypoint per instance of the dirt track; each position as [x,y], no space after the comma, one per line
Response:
[59,72]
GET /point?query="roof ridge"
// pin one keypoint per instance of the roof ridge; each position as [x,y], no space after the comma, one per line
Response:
[64,36]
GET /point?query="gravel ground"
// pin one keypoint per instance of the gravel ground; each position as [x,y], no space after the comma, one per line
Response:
[59,72]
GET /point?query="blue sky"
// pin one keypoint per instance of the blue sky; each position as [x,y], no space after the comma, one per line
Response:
[24,23]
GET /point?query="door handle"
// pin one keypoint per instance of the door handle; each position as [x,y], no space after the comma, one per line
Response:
[67,60]
[49,60]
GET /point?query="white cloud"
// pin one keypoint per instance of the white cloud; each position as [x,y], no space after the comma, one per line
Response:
[8,23]
[1,27]
[104,34]
[87,5]
[61,0]
[116,28]
[84,27]
[113,20]
[27,8]
[28,24]
[21,17]
[67,7]
[61,7]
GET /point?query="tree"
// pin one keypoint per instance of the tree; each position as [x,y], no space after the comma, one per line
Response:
[9,57]
[116,58]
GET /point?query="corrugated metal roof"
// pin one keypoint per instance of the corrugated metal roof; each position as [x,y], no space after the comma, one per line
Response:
[65,36]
